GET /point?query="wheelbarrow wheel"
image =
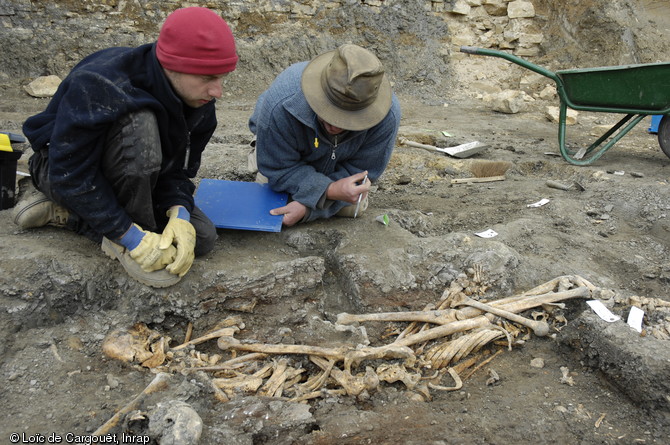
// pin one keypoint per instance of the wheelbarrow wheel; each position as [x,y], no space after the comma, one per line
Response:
[664,134]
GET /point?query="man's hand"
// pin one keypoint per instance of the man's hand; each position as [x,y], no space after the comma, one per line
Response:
[293,213]
[181,233]
[143,247]
[348,189]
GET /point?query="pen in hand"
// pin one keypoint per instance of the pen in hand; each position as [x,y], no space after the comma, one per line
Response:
[358,204]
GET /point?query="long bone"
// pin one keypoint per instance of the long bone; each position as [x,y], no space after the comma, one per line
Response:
[350,354]
[159,383]
[229,330]
[233,363]
[231,343]
[432,316]
[517,305]
[539,327]
[514,304]
[354,356]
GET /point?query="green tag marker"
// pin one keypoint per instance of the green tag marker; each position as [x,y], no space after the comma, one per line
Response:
[384,219]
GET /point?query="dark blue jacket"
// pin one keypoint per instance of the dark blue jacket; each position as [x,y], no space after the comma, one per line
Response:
[102,88]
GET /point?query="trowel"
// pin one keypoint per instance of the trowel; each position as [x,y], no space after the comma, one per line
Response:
[458,151]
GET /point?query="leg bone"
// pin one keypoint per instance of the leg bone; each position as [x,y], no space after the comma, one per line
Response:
[539,327]
[157,384]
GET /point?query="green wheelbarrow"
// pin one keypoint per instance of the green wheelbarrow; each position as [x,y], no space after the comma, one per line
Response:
[634,90]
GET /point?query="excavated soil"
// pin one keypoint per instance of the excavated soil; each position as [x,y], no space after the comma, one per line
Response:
[60,296]
[614,233]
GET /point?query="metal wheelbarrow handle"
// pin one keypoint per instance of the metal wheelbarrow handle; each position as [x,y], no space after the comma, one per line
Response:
[470,49]
[512,58]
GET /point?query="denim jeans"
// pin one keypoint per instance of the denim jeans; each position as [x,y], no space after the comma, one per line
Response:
[131,163]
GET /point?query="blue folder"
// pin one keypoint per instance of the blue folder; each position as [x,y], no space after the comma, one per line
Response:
[240,205]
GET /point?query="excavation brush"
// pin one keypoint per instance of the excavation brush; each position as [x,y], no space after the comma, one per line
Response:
[458,151]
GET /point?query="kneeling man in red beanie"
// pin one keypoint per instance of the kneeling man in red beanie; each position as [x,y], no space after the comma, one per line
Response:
[117,147]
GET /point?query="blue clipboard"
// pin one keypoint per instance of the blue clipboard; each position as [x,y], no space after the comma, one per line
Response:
[240,205]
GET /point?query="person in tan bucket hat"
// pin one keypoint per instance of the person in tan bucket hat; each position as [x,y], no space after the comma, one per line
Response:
[325,130]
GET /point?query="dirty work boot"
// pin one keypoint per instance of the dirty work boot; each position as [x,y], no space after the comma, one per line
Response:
[34,209]
[158,278]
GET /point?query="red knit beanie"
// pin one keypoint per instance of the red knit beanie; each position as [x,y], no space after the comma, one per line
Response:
[196,40]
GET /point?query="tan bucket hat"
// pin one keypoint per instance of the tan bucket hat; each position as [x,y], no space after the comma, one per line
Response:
[347,88]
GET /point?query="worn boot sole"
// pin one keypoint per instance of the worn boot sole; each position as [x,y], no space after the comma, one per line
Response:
[158,278]
[20,213]
[34,209]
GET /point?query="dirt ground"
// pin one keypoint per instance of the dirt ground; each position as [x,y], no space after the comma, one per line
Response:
[588,382]
[615,233]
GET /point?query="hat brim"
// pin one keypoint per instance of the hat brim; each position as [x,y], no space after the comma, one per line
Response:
[348,120]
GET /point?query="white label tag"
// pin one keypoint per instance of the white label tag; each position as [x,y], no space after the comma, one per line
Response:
[602,312]
[540,203]
[489,233]
[635,318]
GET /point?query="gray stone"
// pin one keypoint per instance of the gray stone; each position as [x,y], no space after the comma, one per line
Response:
[251,417]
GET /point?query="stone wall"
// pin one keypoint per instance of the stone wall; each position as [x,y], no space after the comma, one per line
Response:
[417,40]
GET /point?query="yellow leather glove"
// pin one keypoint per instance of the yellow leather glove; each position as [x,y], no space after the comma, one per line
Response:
[167,257]
[143,247]
[180,233]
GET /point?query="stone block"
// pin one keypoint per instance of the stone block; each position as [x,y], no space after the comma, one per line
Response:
[509,101]
[461,7]
[531,38]
[552,113]
[527,51]
[495,7]
[548,93]
[463,38]
[520,9]
[44,86]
